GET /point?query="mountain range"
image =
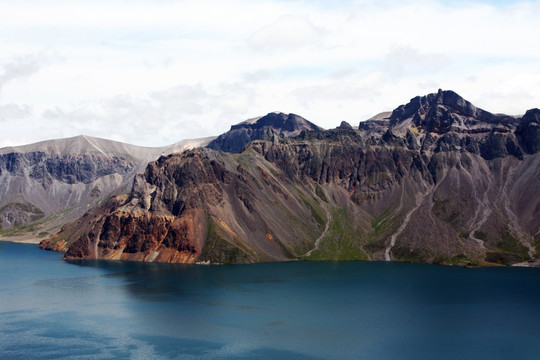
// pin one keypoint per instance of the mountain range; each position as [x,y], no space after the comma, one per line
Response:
[46,184]
[437,180]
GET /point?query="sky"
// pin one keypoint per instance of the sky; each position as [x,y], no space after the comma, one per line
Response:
[152,73]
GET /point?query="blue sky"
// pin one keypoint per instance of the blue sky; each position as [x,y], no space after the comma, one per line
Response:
[153,73]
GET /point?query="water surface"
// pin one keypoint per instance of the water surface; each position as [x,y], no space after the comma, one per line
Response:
[52,309]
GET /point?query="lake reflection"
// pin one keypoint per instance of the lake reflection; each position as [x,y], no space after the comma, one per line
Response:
[51,309]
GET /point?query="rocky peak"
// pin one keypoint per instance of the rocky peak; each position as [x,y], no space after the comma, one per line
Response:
[528,131]
[422,105]
[261,128]
[376,124]
[531,116]
[278,121]
[446,111]
[345,126]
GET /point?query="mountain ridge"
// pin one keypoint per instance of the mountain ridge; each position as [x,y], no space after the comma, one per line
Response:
[263,127]
[45,184]
[437,181]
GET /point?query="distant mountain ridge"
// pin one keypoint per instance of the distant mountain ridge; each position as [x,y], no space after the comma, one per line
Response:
[63,178]
[437,180]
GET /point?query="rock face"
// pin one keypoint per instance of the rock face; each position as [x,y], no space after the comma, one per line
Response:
[274,124]
[528,131]
[200,205]
[437,181]
[43,185]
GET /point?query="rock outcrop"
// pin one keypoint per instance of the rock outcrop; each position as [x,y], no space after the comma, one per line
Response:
[437,181]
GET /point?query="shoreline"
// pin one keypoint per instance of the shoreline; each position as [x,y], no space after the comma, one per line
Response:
[531,263]
[21,240]
[535,263]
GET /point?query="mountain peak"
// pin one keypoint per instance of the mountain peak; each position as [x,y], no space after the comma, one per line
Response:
[285,125]
[422,104]
[443,111]
[528,131]
[278,121]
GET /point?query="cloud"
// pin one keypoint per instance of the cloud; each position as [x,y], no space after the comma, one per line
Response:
[162,117]
[287,32]
[256,76]
[402,60]
[183,99]
[19,68]
[342,90]
[11,112]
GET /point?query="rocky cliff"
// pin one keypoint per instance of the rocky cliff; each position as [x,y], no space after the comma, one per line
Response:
[438,180]
[43,185]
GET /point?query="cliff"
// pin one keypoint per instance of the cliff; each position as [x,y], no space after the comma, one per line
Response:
[438,180]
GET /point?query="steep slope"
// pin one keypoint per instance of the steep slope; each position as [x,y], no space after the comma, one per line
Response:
[53,181]
[438,180]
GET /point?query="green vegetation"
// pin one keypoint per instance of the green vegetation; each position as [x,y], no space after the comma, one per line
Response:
[63,236]
[511,244]
[34,212]
[341,243]
[509,250]
[22,229]
[32,227]
[218,250]
[381,227]
[383,222]
[406,254]
[440,209]
[503,258]
[244,159]
[457,260]
[448,210]
[304,231]
[269,168]
[26,207]
[320,193]
[316,210]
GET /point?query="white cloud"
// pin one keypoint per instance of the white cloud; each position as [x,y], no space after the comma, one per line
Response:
[152,72]
[287,32]
[10,112]
[20,67]
[404,60]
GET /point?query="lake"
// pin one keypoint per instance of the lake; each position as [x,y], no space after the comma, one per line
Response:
[53,309]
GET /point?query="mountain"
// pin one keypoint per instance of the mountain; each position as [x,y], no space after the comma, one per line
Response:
[45,184]
[437,180]
[265,127]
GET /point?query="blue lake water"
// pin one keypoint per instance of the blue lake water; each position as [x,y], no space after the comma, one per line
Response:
[52,309]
